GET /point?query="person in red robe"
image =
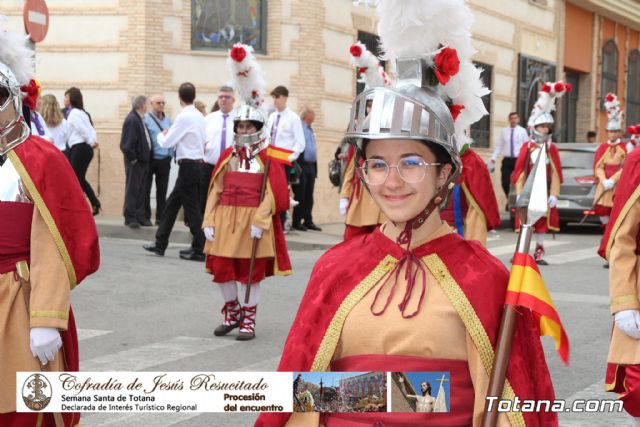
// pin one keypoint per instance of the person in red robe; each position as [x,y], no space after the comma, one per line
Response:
[620,247]
[473,208]
[237,218]
[413,295]
[48,245]
[541,122]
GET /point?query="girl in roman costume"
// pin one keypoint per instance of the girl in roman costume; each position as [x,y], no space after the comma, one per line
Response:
[361,213]
[235,215]
[48,245]
[609,160]
[473,208]
[620,247]
[369,298]
[540,125]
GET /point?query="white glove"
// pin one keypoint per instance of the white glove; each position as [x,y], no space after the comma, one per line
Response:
[491,165]
[293,157]
[344,205]
[256,232]
[45,343]
[553,201]
[293,203]
[628,321]
[608,184]
[208,233]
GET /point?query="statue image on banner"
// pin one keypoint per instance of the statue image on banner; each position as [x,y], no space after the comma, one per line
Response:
[219,24]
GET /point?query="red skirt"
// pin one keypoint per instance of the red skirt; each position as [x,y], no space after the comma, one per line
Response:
[602,210]
[625,380]
[237,269]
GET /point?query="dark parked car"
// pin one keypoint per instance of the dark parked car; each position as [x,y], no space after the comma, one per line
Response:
[579,187]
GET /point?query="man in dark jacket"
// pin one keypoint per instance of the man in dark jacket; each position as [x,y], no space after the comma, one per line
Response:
[135,144]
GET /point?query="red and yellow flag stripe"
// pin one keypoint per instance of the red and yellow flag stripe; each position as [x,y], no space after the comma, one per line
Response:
[280,155]
[527,289]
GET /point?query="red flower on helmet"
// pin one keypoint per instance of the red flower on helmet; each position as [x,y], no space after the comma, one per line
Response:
[455,110]
[446,65]
[362,70]
[559,87]
[238,53]
[631,130]
[355,50]
[568,87]
[32,92]
[546,88]
[610,97]
[254,94]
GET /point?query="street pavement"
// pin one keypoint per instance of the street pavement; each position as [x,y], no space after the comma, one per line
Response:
[146,313]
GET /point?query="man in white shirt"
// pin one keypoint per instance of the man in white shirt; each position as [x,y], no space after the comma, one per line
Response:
[187,134]
[284,127]
[511,139]
[219,138]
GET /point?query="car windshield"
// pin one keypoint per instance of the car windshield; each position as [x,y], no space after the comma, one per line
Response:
[576,159]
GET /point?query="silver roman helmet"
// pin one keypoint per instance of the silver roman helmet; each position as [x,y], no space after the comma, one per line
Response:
[411,110]
[544,106]
[254,142]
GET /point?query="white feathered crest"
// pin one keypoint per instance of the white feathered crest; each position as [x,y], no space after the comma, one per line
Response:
[614,113]
[247,78]
[371,72]
[547,97]
[15,53]
[440,32]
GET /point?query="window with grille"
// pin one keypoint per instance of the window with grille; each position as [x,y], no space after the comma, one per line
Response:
[567,132]
[532,74]
[609,82]
[219,24]
[481,130]
[633,88]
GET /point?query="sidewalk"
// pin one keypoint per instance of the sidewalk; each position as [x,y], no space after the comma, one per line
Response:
[114,227]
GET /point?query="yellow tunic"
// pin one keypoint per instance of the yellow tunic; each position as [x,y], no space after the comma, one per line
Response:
[49,306]
[611,157]
[232,224]
[624,273]
[475,223]
[362,210]
[436,332]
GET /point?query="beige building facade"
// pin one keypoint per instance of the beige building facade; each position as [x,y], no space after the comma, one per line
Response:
[116,49]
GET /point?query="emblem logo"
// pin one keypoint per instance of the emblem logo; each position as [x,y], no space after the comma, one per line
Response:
[36,392]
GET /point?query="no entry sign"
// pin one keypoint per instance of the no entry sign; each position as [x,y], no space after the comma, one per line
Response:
[36,19]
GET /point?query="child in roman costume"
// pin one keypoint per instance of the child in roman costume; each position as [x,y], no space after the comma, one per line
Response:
[362,215]
[48,245]
[541,128]
[413,295]
[235,214]
[609,159]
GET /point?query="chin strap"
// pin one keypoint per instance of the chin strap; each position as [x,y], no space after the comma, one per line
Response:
[404,238]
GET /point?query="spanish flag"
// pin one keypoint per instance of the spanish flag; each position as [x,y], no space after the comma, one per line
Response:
[280,155]
[527,289]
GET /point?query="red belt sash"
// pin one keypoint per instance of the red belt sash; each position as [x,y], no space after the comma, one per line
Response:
[610,170]
[241,189]
[462,394]
[15,239]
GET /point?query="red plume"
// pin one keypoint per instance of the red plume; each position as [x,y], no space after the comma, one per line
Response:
[455,109]
[32,91]
[238,53]
[355,50]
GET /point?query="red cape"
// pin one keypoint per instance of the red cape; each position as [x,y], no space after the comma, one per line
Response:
[481,277]
[476,179]
[280,190]
[602,149]
[627,193]
[57,195]
[524,165]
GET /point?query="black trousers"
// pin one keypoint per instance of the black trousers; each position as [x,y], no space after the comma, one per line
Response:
[185,194]
[135,191]
[304,193]
[80,156]
[159,168]
[508,165]
[207,171]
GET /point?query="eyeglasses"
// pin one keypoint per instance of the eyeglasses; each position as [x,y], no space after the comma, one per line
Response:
[225,96]
[159,102]
[411,170]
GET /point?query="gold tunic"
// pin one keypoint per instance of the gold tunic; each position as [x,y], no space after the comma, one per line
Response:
[624,273]
[435,332]
[610,157]
[49,305]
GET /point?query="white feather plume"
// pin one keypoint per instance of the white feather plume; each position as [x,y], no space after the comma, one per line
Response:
[247,78]
[422,28]
[16,54]
[546,103]
[371,72]
[614,112]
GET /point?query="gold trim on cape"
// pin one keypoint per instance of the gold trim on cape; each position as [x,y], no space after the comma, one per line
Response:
[475,329]
[329,342]
[46,216]
[623,213]
[50,314]
[624,299]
